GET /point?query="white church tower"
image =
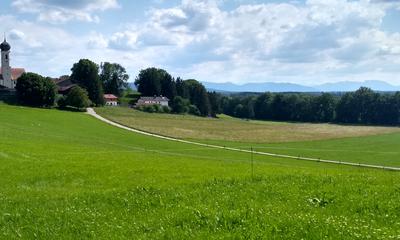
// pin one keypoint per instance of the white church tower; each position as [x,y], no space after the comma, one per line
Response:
[5,77]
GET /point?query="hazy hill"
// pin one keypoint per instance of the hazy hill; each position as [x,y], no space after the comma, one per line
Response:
[290,87]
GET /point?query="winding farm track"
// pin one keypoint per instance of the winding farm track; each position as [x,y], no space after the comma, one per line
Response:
[93,113]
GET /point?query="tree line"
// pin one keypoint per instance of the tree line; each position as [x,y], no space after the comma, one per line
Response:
[91,80]
[363,106]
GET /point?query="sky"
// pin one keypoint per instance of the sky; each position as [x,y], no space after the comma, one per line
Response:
[306,42]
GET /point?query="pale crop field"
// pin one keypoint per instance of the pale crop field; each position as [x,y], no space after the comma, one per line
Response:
[67,175]
[232,129]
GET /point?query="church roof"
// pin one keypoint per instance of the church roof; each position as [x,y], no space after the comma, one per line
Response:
[15,73]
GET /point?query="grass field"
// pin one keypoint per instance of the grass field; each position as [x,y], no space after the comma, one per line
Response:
[67,175]
[359,144]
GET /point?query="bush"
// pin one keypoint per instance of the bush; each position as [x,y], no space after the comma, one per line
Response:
[166,109]
[194,110]
[77,98]
[154,108]
[35,90]
[180,105]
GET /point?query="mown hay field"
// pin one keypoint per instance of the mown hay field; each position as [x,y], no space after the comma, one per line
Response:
[232,129]
[67,175]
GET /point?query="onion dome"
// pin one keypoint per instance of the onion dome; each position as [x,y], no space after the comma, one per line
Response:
[5,46]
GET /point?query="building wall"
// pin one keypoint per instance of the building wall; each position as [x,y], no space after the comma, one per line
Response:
[111,103]
[162,103]
[6,70]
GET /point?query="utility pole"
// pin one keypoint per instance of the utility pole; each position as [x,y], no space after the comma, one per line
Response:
[252,164]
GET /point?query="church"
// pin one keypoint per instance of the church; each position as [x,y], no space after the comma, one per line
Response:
[8,75]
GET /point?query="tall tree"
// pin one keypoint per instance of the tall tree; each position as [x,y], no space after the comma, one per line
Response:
[168,86]
[262,106]
[198,96]
[86,74]
[181,88]
[114,78]
[215,105]
[155,81]
[323,108]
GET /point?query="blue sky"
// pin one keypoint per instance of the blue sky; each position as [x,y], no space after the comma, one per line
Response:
[306,42]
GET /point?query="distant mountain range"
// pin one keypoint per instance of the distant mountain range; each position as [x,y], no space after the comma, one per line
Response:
[344,86]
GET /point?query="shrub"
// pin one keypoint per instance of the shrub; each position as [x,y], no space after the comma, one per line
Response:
[77,98]
[35,90]
[166,109]
[180,105]
[154,108]
[194,110]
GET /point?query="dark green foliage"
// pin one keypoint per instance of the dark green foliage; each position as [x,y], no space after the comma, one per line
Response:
[198,96]
[181,89]
[180,105]
[154,81]
[194,110]
[114,78]
[262,106]
[35,90]
[323,108]
[363,106]
[86,74]
[77,98]
[215,104]
[154,108]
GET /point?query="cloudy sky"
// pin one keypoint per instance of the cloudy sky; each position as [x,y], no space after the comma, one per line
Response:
[307,42]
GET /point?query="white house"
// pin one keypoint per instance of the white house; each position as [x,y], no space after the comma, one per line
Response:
[163,101]
[111,100]
[8,75]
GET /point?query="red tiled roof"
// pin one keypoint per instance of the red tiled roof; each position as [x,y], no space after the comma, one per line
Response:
[15,72]
[110,97]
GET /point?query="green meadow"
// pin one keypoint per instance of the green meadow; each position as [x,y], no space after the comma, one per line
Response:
[358,144]
[66,175]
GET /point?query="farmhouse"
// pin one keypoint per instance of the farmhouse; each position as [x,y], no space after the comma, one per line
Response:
[64,84]
[163,101]
[111,100]
[8,75]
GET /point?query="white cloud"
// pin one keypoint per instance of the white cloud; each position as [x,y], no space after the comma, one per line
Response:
[58,11]
[321,40]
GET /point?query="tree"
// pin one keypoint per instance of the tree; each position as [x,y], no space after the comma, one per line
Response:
[168,87]
[365,103]
[198,96]
[154,81]
[78,98]
[35,90]
[181,88]
[114,78]
[323,108]
[180,105]
[346,109]
[86,74]
[215,105]
[262,106]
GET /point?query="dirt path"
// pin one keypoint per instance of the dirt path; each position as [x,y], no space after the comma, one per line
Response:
[91,112]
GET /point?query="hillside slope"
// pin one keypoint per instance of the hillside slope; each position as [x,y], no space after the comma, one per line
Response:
[68,176]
